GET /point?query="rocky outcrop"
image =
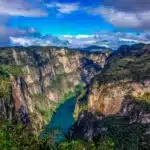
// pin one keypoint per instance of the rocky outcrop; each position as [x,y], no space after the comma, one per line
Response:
[108,99]
[48,74]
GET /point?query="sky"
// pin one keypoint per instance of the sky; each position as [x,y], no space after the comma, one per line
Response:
[79,23]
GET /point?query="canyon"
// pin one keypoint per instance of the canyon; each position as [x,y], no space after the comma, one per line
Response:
[44,78]
[90,95]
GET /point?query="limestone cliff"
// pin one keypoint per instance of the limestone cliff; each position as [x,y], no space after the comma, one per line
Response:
[127,73]
[49,74]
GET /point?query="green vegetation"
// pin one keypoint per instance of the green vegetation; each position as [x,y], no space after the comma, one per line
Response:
[108,51]
[39,96]
[66,97]
[132,68]
[5,83]
[80,107]
[43,106]
[120,135]
[56,84]
[76,145]
[45,113]
[145,97]
[142,101]
[5,88]
[123,135]
[7,70]
[83,107]
[78,91]
[82,100]
[17,137]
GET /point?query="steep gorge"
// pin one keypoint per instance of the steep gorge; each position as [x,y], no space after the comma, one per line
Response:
[112,93]
[47,76]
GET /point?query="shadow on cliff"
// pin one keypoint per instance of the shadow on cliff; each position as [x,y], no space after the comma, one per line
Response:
[89,69]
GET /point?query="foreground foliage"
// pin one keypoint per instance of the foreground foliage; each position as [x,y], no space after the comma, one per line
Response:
[18,137]
[119,136]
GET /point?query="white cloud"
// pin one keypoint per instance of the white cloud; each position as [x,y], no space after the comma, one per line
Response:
[107,39]
[120,19]
[128,40]
[80,40]
[21,41]
[27,41]
[37,39]
[20,8]
[67,36]
[28,37]
[64,8]
[130,14]
[79,36]
[83,36]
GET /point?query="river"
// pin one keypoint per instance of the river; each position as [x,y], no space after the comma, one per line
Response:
[62,119]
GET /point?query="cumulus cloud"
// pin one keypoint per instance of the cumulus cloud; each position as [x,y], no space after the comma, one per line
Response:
[133,14]
[20,8]
[64,8]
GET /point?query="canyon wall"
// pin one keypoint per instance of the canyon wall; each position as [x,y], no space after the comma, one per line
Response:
[127,74]
[49,75]
[118,98]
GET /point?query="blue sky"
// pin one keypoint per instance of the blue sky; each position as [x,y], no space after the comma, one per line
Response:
[74,21]
[77,23]
[41,22]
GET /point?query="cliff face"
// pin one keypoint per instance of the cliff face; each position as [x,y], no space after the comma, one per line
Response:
[118,97]
[127,73]
[113,98]
[49,74]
